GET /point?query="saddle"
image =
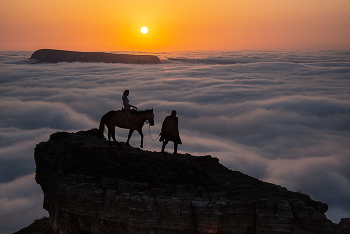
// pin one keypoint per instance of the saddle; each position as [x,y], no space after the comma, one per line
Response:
[133,110]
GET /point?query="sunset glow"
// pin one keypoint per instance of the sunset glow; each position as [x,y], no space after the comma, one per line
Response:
[180,25]
[260,86]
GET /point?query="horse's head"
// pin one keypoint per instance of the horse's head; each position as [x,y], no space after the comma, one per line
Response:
[150,117]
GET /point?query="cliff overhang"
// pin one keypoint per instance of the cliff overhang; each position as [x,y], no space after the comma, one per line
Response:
[90,187]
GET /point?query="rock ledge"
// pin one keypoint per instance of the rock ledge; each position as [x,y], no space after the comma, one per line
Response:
[92,188]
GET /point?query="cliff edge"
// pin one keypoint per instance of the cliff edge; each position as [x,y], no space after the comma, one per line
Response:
[92,188]
[55,56]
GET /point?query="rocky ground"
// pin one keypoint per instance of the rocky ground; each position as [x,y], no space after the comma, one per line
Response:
[90,187]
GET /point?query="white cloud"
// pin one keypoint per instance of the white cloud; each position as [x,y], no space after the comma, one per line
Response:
[283,117]
[20,203]
[38,114]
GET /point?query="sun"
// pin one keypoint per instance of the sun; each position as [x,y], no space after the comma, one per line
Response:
[144,30]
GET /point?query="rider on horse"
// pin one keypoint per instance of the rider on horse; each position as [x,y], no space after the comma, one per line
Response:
[124,119]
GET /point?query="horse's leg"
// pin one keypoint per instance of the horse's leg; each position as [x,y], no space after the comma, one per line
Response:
[141,134]
[113,135]
[109,137]
[129,136]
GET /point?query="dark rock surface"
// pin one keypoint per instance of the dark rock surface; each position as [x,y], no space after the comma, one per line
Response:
[39,226]
[55,56]
[92,188]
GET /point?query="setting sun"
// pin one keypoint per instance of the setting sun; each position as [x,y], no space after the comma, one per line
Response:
[144,30]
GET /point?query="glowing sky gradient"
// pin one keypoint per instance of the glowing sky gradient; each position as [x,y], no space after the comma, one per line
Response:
[111,25]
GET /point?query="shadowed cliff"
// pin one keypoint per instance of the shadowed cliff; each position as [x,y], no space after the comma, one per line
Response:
[92,188]
[55,56]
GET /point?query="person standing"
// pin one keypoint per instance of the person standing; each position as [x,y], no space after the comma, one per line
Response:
[126,103]
[170,131]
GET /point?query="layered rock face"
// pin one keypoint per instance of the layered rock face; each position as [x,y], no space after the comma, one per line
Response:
[55,56]
[92,188]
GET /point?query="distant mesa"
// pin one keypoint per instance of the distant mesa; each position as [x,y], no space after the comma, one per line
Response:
[56,56]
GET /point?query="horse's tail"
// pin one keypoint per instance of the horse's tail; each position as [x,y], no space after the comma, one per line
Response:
[101,129]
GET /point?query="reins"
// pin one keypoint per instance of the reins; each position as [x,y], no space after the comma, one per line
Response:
[149,131]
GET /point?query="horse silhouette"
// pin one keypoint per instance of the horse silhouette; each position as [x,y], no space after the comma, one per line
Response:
[121,119]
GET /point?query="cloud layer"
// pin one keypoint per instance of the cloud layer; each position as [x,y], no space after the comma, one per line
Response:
[282,117]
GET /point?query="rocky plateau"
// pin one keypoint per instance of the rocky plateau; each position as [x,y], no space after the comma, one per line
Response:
[90,187]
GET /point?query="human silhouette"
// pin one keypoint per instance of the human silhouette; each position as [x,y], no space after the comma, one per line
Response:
[126,103]
[170,131]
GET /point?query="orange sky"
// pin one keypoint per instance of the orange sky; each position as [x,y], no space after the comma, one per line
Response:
[114,25]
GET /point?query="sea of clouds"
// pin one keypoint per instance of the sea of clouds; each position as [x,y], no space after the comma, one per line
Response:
[282,117]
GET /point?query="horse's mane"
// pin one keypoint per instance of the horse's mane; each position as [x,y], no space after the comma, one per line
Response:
[140,111]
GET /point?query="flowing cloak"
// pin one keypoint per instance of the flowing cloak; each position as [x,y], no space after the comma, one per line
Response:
[170,130]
